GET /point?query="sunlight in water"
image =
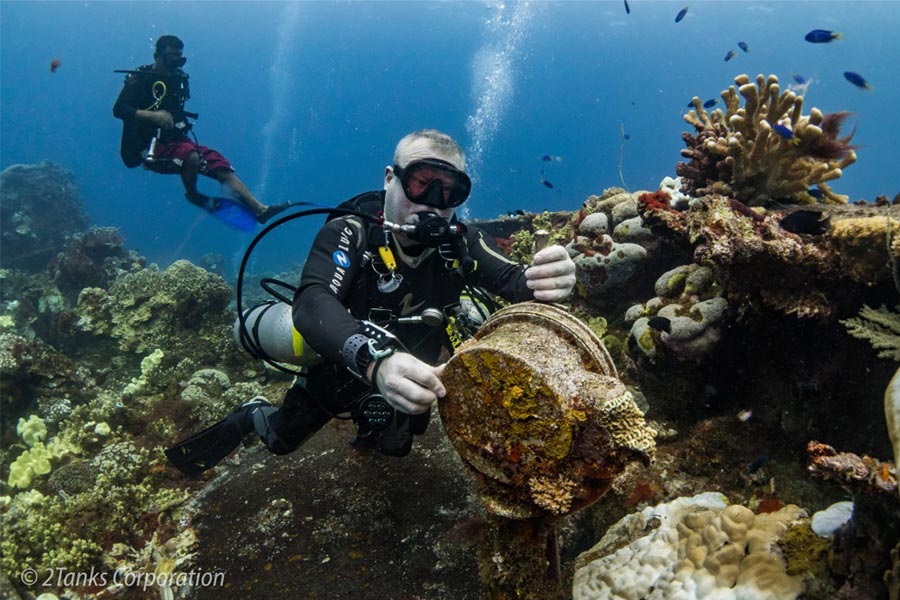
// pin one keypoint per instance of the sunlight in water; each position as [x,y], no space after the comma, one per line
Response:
[281,92]
[493,77]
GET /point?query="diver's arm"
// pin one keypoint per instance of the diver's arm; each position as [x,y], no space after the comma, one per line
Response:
[495,271]
[328,277]
[550,277]
[126,106]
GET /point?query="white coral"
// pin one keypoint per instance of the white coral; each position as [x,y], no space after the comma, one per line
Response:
[690,548]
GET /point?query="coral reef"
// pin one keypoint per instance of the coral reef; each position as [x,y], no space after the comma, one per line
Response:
[95,258]
[691,548]
[766,149]
[180,310]
[865,548]
[39,207]
[684,320]
[31,368]
[798,274]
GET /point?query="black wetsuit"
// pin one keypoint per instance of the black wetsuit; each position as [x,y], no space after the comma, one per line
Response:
[338,288]
[137,94]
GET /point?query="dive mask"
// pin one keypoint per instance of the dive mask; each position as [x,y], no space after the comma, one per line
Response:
[435,183]
[176,63]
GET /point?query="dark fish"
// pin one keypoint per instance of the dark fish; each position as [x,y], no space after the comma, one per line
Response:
[798,78]
[757,464]
[857,80]
[710,103]
[690,104]
[681,14]
[551,158]
[731,54]
[627,8]
[815,193]
[546,183]
[626,136]
[783,131]
[54,65]
[821,36]
[811,222]
[516,213]
[743,46]
[660,324]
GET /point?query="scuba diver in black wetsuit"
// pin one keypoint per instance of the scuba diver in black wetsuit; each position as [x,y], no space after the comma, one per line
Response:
[379,300]
[155,130]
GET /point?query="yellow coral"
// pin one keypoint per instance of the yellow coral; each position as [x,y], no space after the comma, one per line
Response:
[33,430]
[34,461]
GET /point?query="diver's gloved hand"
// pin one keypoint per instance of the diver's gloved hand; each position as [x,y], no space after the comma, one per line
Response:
[552,276]
[408,384]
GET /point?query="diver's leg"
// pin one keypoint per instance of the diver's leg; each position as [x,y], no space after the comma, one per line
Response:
[227,177]
[285,429]
[207,448]
[190,169]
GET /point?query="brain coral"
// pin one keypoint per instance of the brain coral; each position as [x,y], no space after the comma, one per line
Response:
[690,548]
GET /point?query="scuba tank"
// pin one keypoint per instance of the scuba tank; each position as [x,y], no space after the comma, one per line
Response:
[268,332]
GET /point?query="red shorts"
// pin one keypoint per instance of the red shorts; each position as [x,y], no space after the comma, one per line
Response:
[171,155]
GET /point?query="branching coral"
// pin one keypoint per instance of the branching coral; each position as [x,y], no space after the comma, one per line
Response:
[766,149]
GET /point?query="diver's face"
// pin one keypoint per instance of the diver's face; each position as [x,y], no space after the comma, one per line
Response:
[398,208]
[171,58]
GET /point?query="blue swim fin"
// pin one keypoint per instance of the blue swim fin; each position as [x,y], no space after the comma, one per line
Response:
[232,213]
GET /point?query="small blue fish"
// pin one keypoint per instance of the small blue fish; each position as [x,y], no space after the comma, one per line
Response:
[681,14]
[546,183]
[710,103]
[626,136]
[857,80]
[551,158]
[798,78]
[815,193]
[743,46]
[690,104]
[821,36]
[731,54]
[783,131]
[627,8]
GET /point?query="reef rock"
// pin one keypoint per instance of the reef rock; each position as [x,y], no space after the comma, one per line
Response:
[39,207]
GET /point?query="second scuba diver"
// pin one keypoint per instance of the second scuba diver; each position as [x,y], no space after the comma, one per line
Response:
[155,131]
[377,300]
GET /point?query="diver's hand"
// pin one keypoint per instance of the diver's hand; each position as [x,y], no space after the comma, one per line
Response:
[408,384]
[552,276]
[161,118]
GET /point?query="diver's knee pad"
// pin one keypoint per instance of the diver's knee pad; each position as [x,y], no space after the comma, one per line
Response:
[286,429]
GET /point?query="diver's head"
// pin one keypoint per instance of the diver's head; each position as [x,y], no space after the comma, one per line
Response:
[428,175]
[168,53]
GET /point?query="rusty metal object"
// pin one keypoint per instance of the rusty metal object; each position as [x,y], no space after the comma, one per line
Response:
[535,407]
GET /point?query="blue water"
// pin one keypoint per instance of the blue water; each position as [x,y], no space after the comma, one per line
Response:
[307,100]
